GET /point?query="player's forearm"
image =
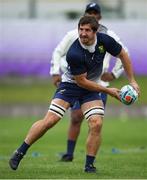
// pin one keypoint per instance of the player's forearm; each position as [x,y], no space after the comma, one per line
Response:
[58,53]
[55,64]
[91,86]
[83,82]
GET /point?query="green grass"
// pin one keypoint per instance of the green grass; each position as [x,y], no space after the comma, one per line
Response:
[30,90]
[33,90]
[123,153]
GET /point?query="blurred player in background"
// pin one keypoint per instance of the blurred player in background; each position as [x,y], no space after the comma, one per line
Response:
[79,83]
[59,64]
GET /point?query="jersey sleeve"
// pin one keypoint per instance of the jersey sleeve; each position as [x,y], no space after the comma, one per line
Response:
[75,63]
[112,47]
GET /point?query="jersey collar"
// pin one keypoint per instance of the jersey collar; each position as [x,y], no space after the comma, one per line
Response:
[90,48]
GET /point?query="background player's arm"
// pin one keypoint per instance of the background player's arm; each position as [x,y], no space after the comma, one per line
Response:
[58,54]
[118,67]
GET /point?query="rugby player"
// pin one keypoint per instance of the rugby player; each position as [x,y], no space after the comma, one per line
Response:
[59,64]
[85,63]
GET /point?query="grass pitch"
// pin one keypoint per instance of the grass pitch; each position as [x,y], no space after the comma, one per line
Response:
[123,153]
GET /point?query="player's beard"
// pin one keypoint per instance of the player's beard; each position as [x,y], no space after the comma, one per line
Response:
[85,40]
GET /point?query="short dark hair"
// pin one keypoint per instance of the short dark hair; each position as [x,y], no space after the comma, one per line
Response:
[89,20]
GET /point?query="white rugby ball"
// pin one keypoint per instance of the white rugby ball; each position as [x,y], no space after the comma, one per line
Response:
[128,95]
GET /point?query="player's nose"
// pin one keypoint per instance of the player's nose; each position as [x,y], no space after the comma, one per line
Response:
[83,33]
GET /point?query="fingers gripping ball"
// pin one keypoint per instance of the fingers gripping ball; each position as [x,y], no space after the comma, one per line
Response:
[128,95]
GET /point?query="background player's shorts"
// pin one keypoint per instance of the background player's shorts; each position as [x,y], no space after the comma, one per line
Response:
[71,93]
[78,106]
[104,98]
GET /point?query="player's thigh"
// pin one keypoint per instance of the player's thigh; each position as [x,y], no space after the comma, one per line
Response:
[56,110]
[91,104]
[93,109]
[61,103]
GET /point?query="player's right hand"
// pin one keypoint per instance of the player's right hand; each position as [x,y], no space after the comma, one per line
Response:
[56,79]
[114,92]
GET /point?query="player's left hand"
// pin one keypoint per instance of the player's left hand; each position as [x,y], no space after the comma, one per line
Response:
[135,86]
[107,76]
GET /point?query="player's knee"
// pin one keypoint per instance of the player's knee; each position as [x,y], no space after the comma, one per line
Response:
[95,124]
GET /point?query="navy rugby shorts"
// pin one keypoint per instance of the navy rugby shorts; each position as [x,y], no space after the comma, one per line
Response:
[72,93]
[77,104]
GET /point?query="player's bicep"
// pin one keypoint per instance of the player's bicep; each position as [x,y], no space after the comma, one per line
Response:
[123,55]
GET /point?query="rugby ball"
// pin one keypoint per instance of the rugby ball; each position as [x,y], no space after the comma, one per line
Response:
[128,95]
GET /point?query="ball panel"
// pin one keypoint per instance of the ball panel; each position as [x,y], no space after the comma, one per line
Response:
[128,95]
